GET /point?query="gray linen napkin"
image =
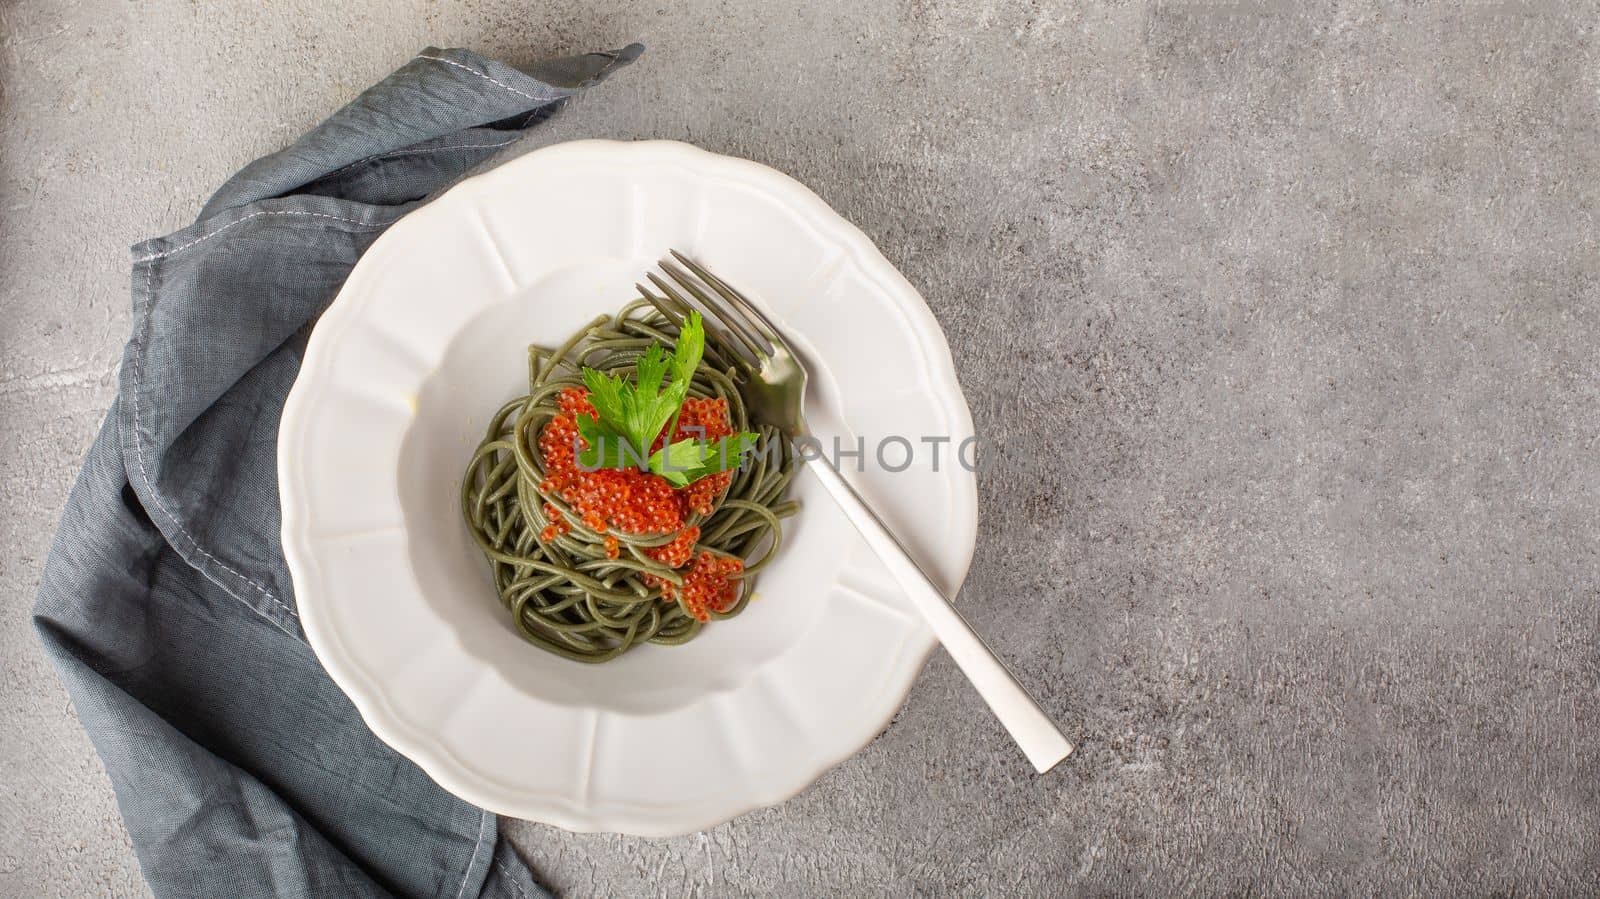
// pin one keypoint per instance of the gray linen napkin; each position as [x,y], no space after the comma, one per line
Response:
[240,768]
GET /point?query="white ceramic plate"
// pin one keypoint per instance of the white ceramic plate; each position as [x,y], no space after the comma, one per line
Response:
[429,336]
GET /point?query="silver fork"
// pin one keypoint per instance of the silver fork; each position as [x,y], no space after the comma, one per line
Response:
[775,394]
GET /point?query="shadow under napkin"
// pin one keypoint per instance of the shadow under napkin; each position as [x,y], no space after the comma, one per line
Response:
[165,604]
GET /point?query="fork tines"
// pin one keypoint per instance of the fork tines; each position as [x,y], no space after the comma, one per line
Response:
[729,315]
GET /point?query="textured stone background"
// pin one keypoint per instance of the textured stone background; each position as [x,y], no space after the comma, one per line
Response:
[1286,318]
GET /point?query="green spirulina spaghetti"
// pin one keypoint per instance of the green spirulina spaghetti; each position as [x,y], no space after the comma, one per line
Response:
[565,594]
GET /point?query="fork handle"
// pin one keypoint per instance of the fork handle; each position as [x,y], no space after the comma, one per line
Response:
[1028,725]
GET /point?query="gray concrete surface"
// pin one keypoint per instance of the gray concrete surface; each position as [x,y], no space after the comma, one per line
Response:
[1300,300]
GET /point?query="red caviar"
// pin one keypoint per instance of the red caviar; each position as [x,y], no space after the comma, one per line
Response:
[639,502]
[676,554]
[705,419]
[627,499]
[557,526]
[708,586]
